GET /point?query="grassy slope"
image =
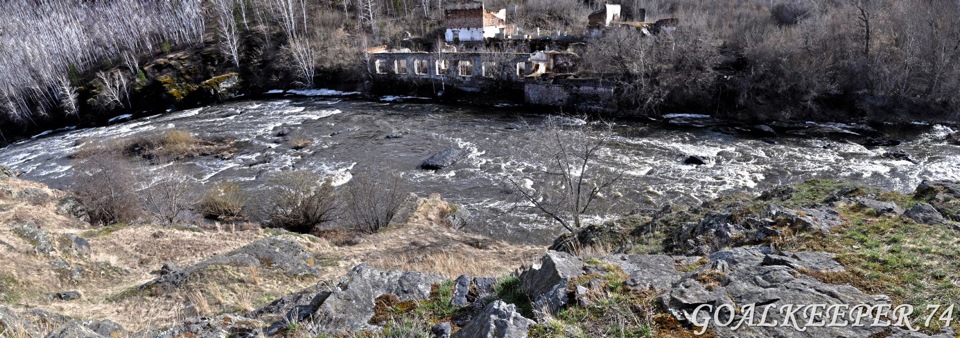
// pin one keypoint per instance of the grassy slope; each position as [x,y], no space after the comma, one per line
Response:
[125,256]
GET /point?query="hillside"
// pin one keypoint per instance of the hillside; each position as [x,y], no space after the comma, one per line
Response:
[817,242]
[74,63]
[136,277]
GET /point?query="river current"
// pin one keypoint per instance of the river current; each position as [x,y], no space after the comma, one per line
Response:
[351,136]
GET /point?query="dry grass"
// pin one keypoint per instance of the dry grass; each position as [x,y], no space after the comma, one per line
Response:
[168,145]
[123,257]
[300,142]
[426,244]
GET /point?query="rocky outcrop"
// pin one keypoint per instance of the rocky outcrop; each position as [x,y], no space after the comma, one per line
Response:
[277,253]
[546,284]
[220,326]
[443,159]
[877,208]
[942,195]
[651,272]
[350,306]
[755,275]
[498,320]
[924,213]
[39,238]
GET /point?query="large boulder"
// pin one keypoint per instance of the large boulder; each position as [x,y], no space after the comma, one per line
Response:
[351,305]
[443,159]
[924,213]
[942,195]
[498,320]
[877,208]
[546,284]
[755,275]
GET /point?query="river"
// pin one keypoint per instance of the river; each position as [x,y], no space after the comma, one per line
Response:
[350,136]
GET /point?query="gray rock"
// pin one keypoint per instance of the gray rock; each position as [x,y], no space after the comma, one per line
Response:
[441,330]
[75,245]
[935,189]
[498,320]
[924,213]
[546,284]
[68,295]
[805,260]
[878,208]
[280,254]
[694,160]
[764,130]
[746,279]
[293,308]
[74,330]
[657,272]
[168,268]
[71,207]
[459,218]
[39,238]
[218,327]
[350,305]
[461,288]
[804,219]
[443,159]
[107,328]
[484,285]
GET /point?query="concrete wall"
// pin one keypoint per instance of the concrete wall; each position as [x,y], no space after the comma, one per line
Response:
[465,71]
[464,34]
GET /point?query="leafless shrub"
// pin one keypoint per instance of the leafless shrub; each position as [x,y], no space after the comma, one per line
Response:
[106,187]
[789,13]
[168,195]
[297,201]
[371,200]
[223,201]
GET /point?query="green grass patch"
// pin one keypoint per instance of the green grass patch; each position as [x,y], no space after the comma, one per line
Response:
[913,263]
[103,231]
[510,290]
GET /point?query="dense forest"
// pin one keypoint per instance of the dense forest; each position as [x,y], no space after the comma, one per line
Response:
[65,62]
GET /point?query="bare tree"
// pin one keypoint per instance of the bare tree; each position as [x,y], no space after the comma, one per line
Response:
[304,57]
[227,30]
[169,194]
[113,88]
[572,180]
[68,95]
[371,200]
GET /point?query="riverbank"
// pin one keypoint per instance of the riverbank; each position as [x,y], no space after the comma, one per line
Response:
[801,245]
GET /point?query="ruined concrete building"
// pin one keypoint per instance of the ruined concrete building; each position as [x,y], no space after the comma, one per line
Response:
[603,17]
[470,22]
